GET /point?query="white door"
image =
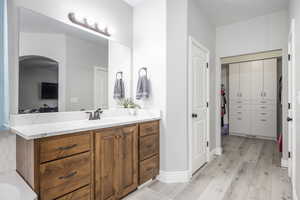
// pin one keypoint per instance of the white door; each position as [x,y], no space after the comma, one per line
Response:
[257,80]
[270,80]
[291,101]
[245,76]
[100,88]
[199,59]
[234,81]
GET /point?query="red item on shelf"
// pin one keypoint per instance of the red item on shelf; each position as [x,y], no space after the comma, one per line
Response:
[279,142]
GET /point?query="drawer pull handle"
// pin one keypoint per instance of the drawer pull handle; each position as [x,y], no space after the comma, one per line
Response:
[239,112]
[67,147]
[149,169]
[239,118]
[263,113]
[150,129]
[239,106]
[149,146]
[69,175]
[263,107]
[263,102]
[263,120]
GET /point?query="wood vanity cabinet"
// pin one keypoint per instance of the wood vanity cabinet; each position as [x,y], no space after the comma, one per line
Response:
[59,167]
[105,164]
[148,151]
[116,162]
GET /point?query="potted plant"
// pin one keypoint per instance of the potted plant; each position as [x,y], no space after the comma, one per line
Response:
[128,103]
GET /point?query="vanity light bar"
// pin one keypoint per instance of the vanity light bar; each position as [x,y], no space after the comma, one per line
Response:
[84,23]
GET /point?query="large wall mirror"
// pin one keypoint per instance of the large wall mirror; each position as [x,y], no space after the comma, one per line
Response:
[65,68]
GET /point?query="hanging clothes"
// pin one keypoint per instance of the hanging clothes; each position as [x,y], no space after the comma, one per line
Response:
[223,104]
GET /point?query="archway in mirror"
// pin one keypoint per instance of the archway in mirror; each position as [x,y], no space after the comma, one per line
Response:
[38,84]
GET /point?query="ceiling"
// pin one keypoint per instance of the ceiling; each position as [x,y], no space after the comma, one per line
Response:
[222,12]
[133,2]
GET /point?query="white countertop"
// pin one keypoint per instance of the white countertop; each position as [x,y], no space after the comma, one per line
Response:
[35,131]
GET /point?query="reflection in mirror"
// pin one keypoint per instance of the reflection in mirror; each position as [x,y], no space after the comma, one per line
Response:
[61,67]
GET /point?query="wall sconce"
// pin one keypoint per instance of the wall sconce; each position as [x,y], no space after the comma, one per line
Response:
[84,23]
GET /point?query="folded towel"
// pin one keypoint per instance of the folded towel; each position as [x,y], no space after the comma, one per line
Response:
[119,89]
[143,88]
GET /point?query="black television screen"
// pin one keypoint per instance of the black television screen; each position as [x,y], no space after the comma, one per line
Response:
[49,90]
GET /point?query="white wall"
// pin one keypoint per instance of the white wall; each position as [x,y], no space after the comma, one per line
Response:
[116,13]
[265,33]
[295,14]
[176,105]
[149,50]
[204,32]
[120,60]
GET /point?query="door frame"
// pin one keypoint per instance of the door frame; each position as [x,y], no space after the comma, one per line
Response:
[193,41]
[292,135]
[94,81]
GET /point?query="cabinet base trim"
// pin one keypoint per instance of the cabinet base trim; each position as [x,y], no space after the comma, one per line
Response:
[284,163]
[145,184]
[253,136]
[174,177]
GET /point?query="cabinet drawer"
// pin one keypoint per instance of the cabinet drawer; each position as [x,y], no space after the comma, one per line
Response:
[149,128]
[263,107]
[149,146]
[149,169]
[264,125]
[63,146]
[81,194]
[63,176]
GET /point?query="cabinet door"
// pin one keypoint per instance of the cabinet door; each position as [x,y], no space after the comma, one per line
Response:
[257,80]
[128,160]
[234,81]
[270,77]
[106,164]
[245,80]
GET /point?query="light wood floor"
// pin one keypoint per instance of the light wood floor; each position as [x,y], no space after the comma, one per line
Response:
[249,169]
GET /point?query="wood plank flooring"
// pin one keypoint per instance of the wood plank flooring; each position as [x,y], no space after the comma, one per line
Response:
[249,169]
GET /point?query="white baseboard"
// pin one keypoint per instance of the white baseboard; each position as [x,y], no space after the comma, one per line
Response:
[284,163]
[212,153]
[145,184]
[295,197]
[219,151]
[174,177]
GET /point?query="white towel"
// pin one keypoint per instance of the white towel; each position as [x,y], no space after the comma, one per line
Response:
[143,88]
[119,89]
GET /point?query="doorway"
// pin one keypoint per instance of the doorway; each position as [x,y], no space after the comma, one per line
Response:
[251,96]
[198,111]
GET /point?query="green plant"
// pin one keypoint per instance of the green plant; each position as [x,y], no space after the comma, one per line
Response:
[128,103]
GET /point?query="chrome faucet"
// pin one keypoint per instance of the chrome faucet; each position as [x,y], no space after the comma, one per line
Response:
[95,115]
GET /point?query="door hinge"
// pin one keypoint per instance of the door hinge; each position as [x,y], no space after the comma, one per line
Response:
[207,144]
[289,155]
[207,105]
[289,57]
[289,106]
[207,65]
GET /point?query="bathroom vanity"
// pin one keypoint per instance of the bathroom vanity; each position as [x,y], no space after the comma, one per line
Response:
[101,163]
[60,153]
